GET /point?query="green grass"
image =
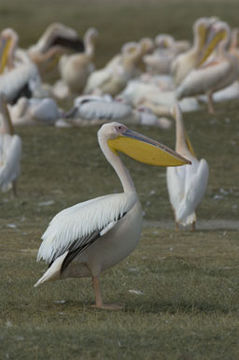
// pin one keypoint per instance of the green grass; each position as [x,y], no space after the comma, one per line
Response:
[188,306]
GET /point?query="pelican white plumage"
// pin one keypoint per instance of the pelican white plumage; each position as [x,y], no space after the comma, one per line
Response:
[76,68]
[114,76]
[186,184]
[21,77]
[160,61]
[10,150]
[203,45]
[92,110]
[35,111]
[90,237]
[222,71]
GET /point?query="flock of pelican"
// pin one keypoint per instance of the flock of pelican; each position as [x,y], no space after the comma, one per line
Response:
[150,82]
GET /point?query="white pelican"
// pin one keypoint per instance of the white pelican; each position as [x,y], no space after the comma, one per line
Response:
[203,45]
[22,77]
[35,111]
[163,41]
[10,150]
[8,45]
[114,76]
[160,61]
[57,39]
[215,75]
[186,184]
[92,110]
[139,93]
[90,237]
[76,68]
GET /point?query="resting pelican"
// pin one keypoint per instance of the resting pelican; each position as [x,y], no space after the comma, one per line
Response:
[92,109]
[90,237]
[114,76]
[203,45]
[160,61]
[10,151]
[35,111]
[215,75]
[186,184]
[76,68]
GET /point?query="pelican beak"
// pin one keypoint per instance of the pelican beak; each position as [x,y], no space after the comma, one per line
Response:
[146,150]
[214,37]
[4,50]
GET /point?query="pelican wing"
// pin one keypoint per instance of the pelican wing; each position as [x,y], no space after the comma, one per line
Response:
[16,80]
[77,227]
[10,154]
[175,184]
[196,178]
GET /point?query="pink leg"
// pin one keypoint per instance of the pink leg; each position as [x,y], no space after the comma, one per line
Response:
[211,109]
[98,298]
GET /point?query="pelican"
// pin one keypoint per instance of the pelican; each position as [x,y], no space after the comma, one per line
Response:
[114,76]
[152,96]
[10,151]
[92,109]
[160,61]
[8,45]
[22,77]
[90,237]
[35,111]
[215,75]
[203,45]
[186,184]
[163,41]
[76,68]
[57,39]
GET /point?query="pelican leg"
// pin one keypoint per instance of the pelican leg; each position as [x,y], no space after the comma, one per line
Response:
[211,109]
[98,298]
[176,226]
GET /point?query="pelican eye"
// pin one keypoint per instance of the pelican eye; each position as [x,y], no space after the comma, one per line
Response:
[120,128]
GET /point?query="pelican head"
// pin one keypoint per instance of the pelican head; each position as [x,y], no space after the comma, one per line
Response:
[137,146]
[147,45]
[8,43]
[164,41]
[91,34]
[219,32]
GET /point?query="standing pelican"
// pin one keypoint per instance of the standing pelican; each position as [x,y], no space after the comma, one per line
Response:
[57,39]
[8,45]
[10,150]
[22,77]
[186,184]
[216,75]
[90,237]
[203,45]
[76,68]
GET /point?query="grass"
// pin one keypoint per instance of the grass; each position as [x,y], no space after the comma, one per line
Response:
[187,305]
